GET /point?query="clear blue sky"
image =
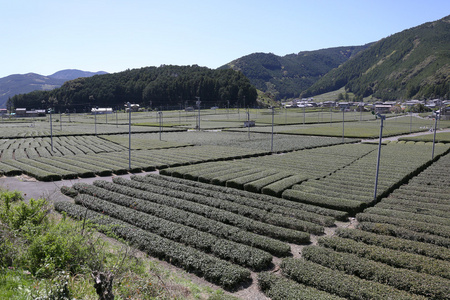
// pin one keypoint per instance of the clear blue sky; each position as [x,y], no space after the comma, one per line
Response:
[45,36]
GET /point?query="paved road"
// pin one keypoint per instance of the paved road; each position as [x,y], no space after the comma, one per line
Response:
[32,188]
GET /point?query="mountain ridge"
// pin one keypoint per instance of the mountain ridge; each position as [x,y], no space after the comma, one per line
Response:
[25,83]
[411,64]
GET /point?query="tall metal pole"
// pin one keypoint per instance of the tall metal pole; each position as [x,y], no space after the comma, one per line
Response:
[129,135]
[51,129]
[410,121]
[343,124]
[273,113]
[361,107]
[285,115]
[160,123]
[434,135]
[304,113]
[60,121]
[95,118]
[198,104]
[248,122]
[331,114]
[378,157]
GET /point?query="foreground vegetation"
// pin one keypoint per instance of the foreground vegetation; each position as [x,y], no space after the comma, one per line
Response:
[43,256]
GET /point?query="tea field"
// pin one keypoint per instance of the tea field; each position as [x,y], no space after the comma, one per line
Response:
[294,213]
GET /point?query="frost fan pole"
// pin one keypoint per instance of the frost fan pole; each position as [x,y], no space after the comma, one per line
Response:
[271,145]
[378,157]
[51,128]
[160,123]
[198,104]
[434,136]
[248,122]
[129,135]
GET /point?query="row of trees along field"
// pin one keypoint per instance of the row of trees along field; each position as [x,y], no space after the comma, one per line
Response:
[164,86]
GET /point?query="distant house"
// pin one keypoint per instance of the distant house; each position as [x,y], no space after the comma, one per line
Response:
[134,107]
[328,104]
[3,111]
[344,105]
[382,108]
[413,102]
[21,112]
[36,113]
[101,110]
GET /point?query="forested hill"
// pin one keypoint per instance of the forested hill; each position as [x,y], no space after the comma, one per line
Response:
[411,64]
[287,76]
[157,87]
[24,83]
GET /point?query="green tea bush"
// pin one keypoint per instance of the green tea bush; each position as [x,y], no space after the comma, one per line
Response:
[417,283]
[339,283]
[391,242]
[281,288]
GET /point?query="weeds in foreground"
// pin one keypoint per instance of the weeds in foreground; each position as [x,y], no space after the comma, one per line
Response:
[43,257]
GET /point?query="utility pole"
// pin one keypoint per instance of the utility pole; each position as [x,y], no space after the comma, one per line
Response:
[129,135]
[160,123]
[248,122]
[198,104]
[51,128]
[378,157]
[434,135]
[273,113]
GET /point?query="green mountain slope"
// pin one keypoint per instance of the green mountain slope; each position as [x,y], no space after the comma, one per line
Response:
[286,76]
[161,87]
[411,64]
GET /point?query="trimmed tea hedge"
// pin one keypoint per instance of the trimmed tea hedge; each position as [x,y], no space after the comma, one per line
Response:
[281,288]
[240,209]
[339,283]
[211,268]
[398,259]
[394,243]
[404,233]
[190,219]
[249,199]
[339,215]
[240,254]
[130,188]
[350,206]
[413,225]
[417,283]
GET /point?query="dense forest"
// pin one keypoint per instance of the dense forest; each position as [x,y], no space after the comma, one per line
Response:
[412,64]
[164,87]
[287,76]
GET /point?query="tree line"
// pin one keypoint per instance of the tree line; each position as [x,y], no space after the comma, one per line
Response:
[164,87]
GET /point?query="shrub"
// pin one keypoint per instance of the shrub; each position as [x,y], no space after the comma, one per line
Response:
[281,288]
[60,248]
[413,282]
[335,282]
[69,191]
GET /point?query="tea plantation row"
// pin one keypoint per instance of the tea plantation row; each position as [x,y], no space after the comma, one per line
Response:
[399,251]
